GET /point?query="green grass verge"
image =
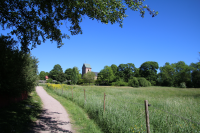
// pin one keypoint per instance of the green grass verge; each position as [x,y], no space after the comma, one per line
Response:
[17,117]
[80,120]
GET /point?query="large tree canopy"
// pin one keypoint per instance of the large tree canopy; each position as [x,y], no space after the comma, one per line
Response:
[148,70]
[55,71]
[167,74]
[182,73]
[126,71]
[32,19]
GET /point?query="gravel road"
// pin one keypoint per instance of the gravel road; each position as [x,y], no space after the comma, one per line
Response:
[54,118]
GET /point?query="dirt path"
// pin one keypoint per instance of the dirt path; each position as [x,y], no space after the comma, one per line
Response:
[54,118]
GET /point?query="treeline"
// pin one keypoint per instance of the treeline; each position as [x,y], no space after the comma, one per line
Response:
[57,74]
[176,74]
[18,70]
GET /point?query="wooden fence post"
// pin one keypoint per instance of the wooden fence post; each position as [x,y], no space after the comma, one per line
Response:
[104,101]
[72,94]
[147,116]
[84,95]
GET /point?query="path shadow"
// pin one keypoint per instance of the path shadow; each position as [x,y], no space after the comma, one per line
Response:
[48,124]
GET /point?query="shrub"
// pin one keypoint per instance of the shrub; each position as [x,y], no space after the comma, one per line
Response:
[183,85]
[50,80]
[133,82]
[18,70]
[80,81]
[119,82]
[143,82]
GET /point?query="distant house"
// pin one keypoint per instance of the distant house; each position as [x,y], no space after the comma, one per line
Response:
[46,77]
[87,68]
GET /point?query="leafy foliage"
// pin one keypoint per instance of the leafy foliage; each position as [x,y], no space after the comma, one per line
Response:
[68,73]
[126,71]
[143,82]
[61,77]
[120,82]
[133,82]
[55,71]
[196,78]
[42,75]
[195,74]
[182,73]
[19,70]
[148,70]
[50,80]
[34,19]
[114,69]
[89,77]
[74,77]
[167,75]
[106,75]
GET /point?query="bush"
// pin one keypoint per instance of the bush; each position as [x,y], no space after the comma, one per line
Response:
[183,85]
[18,70]
[119,82]
[50,80]
[133,82]
[143,82]
[80,81]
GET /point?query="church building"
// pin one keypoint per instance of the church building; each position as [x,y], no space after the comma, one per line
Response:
[87,68]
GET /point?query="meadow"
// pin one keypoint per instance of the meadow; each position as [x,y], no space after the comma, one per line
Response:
[172,109]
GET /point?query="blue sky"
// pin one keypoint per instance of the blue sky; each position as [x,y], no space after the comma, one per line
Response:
[172,36]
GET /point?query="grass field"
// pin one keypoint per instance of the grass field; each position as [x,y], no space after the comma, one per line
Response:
[125,110]
[18,117]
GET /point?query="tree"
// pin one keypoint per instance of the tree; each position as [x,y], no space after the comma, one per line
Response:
[167,75]
[68,73]
[42,75]
[47,74]
[106,75]
[74,77]
[35,19]
[196,78]
[182,73]
[55,71]
[126,71]
[89,77]
[114,69]
[61,77]
[137,72]
[195,74]
[18,70]
[148,70]
[120,71]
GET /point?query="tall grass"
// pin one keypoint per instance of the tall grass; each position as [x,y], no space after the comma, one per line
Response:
[125,107]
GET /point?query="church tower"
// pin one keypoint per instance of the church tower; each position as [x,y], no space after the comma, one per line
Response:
[86,68]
